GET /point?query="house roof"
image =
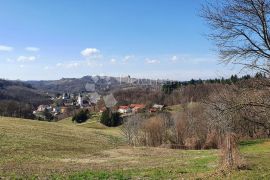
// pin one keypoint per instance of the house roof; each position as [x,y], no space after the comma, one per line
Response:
[109,101]
[123,107]
[43,106]
[137,106]
[158,106]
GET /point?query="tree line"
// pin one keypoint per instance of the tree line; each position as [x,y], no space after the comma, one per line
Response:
[18,99]
[169,87]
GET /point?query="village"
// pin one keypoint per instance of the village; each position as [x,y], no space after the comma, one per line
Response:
[68,104]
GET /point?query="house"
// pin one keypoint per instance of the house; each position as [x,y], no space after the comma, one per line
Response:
[109,101]
[40,113]
[56,110]
[94,97]
[65,96]
[158,107]
[72,96]
[137,107]
[65,110]
[42,108]
[124,109]
[68,103]
[83,101]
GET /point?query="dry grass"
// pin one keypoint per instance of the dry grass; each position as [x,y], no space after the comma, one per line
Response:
[175,108]
[31,148]
[67,121]
[65,150]
[25,142]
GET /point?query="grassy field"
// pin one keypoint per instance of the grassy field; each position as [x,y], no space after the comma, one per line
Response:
[63,150]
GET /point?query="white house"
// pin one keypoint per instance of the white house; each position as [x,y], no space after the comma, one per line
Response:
[56,110]
[42,108]
[65,96]
[124,109]
[158,107]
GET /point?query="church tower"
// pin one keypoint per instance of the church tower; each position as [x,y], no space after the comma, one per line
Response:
[80,100]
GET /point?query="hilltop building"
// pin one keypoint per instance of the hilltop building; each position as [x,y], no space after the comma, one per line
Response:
[80,101]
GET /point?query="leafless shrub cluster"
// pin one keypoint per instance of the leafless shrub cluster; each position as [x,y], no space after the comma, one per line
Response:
[235,112]
[181,130]
[239,111]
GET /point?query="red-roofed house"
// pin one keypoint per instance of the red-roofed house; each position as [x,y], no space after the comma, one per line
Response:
[137,107]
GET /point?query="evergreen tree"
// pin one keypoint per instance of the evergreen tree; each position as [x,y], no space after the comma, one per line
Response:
[48,116]
[81,117]
[106,117]
[110,119]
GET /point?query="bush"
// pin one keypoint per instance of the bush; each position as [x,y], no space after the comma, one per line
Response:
[48,116]
[110,119]
[81,117]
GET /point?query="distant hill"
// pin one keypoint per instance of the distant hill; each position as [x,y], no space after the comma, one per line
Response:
[18,99]
[99,84]
[74,85]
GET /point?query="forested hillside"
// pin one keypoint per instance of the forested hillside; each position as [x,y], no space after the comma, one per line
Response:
[18,99]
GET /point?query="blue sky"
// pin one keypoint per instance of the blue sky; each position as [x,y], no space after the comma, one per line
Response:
[48,39]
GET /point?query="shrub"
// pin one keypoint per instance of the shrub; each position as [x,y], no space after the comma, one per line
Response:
[81,117]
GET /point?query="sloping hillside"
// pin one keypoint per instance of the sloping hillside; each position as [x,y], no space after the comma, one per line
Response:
[19,91]
[31,149]
[28,146]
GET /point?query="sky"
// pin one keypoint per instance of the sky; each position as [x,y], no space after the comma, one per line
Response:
[157,39]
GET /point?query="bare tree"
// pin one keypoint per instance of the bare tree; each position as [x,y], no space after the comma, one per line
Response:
[131,129]
[236,111]
[240,28]
[224,118]
[180,128]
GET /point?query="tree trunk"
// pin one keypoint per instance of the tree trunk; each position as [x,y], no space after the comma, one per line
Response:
[230,150]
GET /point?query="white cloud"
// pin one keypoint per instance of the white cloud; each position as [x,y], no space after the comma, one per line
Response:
[93,64]
[59,64]
[113,60]
[68,65]
[6,48]
[89,52]
[174,58]
[72,65]
[26,58]
[152,61]
[128,58]
[49,68]
[22,66]
[32,49]
[9,60]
